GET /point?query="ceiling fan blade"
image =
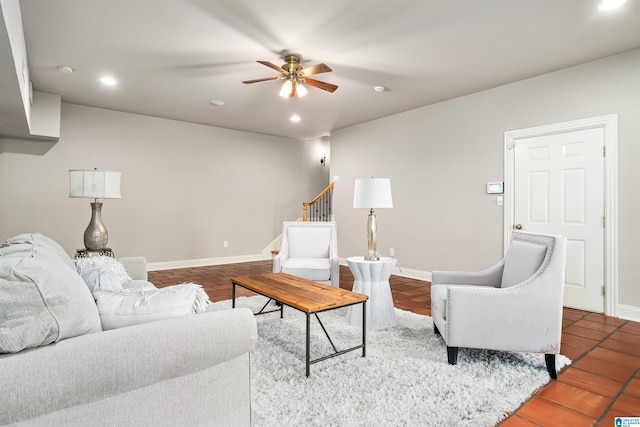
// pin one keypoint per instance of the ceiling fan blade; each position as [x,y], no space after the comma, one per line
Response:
[316,69]
[270,65]
[260,80]
[321,85]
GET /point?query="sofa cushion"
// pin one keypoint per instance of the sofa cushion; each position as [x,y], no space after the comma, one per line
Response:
[37,239]
[102,273]
[521,261]
[127,307]
[318,269]
[16,249]
[309,242]
[21,250]
[42,301]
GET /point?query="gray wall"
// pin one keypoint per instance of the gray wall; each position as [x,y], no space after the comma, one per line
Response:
[440,157]
[185,187]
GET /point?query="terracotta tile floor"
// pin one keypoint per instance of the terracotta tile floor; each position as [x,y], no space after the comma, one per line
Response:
[603,382]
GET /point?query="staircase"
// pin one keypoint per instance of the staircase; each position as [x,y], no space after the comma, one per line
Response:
[320,208]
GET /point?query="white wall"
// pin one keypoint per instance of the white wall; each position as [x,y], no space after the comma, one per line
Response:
[440,157]
[315,149]
[185,188]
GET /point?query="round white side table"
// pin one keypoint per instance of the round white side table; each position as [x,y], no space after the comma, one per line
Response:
[372,279]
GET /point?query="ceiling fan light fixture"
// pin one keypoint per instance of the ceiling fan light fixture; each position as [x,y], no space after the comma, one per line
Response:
[287,87]
[301,90]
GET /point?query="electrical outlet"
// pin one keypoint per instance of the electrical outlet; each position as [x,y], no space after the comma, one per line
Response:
[225,244]
[392,252]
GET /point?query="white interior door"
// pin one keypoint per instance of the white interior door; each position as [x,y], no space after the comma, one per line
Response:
[559,189]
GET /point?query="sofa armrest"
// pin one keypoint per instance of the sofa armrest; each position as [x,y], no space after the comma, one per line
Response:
[92,367]
[517,318]
[280,259]
[489,277]
[136,267]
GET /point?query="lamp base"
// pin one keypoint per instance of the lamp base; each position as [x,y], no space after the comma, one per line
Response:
[372,237]
[96,235]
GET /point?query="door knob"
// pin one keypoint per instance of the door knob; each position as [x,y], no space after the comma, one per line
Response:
[518,226]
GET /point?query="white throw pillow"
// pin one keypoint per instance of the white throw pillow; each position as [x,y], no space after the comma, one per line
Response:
[139,284]
[42,300]
[127,307]
[102,273]
[38,239]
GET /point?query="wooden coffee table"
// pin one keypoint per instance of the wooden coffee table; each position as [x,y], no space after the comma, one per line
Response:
[306,296]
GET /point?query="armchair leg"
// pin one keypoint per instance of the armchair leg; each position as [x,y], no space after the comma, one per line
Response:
[436,330]
[550,360]
[452,355]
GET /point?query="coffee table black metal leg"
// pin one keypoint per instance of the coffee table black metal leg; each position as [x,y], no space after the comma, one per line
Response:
[364,328]
[233,295]
[307,360]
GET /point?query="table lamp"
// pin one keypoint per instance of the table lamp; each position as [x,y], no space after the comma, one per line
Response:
[372,193]
[95,184]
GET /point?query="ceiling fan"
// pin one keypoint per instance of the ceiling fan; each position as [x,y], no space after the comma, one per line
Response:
[295,77]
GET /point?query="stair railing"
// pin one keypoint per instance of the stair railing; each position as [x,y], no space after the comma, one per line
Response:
[320,208]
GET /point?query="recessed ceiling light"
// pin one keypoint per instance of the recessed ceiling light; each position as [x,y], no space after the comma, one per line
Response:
[108,81]
[295,118]
[611,4]
[64,69]
[216,102]
[379,88]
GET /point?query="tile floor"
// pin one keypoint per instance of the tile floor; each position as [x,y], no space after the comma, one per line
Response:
[603,381]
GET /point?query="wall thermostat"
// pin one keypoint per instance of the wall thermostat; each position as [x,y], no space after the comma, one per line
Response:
[495,188]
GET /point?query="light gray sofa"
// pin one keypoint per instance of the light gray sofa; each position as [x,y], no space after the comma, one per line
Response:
[192,371]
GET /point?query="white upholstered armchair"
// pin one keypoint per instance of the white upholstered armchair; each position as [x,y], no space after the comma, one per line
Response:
[515,305]
[309,250]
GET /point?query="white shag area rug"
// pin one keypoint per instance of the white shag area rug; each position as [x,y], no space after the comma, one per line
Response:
[404,380]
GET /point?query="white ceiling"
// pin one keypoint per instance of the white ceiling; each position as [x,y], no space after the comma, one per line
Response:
[172,57]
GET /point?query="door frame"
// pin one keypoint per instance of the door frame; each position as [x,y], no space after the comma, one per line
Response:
[609,123]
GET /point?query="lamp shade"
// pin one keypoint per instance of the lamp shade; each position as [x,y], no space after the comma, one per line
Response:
[372,193]
[94,184]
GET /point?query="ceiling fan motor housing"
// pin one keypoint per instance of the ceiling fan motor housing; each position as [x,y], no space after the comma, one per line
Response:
[292,65]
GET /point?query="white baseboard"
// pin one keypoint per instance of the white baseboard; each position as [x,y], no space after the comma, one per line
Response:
[629,312]
[189,263]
